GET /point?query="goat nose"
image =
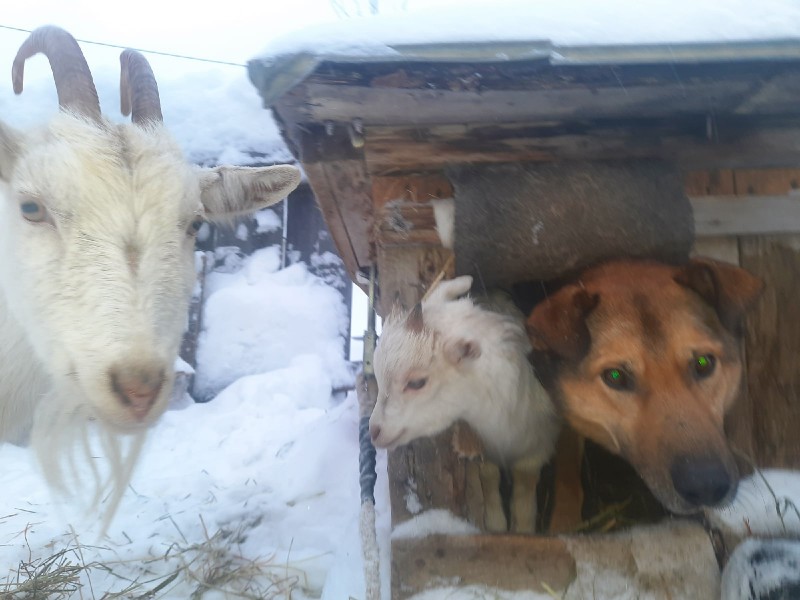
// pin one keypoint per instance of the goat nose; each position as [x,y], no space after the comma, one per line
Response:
[374,432]
[701,481]
[137,388]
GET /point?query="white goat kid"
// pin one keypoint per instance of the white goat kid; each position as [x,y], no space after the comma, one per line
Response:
[450,360]
[98,221]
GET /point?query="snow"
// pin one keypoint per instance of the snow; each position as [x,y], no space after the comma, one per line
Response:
[568,23]
[433,522]
[766,504]
[259,319]
[762,569]
[267,471]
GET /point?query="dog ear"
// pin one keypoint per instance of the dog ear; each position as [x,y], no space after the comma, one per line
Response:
[558,324]
[730,290]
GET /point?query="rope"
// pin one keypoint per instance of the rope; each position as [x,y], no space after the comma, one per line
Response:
[368,393]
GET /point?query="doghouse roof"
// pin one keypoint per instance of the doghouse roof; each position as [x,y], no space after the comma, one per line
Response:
[354,118]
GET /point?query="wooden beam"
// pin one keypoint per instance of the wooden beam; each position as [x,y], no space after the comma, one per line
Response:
[746,215]
[773,346]
[342,189]
[689,140]
[429,93]
[674,559]
[507,562]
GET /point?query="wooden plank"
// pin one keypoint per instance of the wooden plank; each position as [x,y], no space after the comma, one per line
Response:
[773,347]
[766,182]
[674,559]
[685,140]
[407,223]
[712,182]
[342,188]
[514,563]
[411,188]
[568,486]
[326,198]
[746,215]
[452,92]
[405,273]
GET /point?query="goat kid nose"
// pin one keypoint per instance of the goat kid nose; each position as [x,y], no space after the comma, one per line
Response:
[137,388]
[374,432]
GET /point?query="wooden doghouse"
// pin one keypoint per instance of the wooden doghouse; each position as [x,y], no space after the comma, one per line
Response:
[377,136]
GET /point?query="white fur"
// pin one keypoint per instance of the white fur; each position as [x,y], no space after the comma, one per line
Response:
[477,370]
[104,283]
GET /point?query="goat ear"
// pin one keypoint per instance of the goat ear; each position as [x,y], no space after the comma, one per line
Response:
[230,191]
[9,147]
[730,290]
[460,351]
[558,324]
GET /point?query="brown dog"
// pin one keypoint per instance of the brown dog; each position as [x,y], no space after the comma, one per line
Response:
[644,358]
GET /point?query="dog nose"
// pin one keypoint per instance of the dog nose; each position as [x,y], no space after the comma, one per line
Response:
[374,432]
[701,481]
[137,387]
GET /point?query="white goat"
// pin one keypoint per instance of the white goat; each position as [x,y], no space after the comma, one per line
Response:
[97,223]
[450,360]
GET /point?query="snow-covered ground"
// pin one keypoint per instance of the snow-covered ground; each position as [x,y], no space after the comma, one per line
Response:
[268,471]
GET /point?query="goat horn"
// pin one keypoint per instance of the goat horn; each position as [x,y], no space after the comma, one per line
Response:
[138,89]
[414,322]
[73,78]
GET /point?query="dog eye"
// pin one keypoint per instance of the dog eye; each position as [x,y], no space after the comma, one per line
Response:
[703,365]
[416,384]
[617,379]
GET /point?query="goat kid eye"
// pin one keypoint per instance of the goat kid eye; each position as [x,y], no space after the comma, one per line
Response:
[35,212]
[194,226]
[416,384]
[703,365]
[617,379]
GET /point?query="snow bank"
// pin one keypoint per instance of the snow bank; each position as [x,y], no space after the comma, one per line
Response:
[268,471]
[259,319]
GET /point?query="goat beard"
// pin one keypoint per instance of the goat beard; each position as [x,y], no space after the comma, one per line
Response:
[67,438]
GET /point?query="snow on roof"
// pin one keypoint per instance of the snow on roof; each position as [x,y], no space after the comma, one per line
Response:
[563,23]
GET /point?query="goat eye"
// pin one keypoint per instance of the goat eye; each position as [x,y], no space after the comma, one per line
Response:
[703,365]
[617,379]
[416,384]
[195,226]
[32,211]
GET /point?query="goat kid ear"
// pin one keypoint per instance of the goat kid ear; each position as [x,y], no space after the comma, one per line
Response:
[460,351]
[231,191]
[558,324]
[450,289]
[9,149]
[729,289]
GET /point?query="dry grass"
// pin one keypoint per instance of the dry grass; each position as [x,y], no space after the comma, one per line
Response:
[214,564]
